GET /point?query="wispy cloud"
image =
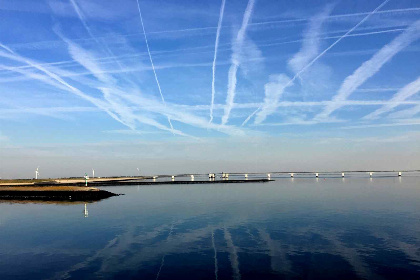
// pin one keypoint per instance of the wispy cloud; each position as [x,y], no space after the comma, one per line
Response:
[151,105]
[100,43]
[113,105]
[372,66]
[407,113]
[53,112]
[82,18]
[129,132]
[322,53]
[406,92]
[311,43]
[216,45]
[302,122]
[236,61]
[55,80]
[273,90]
[151,61]
[124,102]
[87,60]
[202,50]
[275,87]
[406,122]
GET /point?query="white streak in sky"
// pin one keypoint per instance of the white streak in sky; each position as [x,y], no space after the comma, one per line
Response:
[88,61]
[216,269]
[110,91]
[179,115]
[157,108]
[311,43]
[52,78]
[82,19]
[269,24]
[406,92]
[236,61]
[407,113]
[408,122]
[273,90]
[104,46]
[372,66]
[323,52]
[216,45]
[124,111]
[151,62]
[310,48]
[70,63]
[113,107]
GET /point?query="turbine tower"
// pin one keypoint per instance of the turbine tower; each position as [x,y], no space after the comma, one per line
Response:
[36,173]
[93,173]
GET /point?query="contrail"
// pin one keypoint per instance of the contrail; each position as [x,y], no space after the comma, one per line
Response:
[163,258]
[370,67]
[406,92]
[51,43]
[54,79]
[322,53]
[151,62]
[216,269]
[70,63]
[236,61]
[61,83]
[57,81]
[216,45]
[408,113]
[312,40]
[83,21]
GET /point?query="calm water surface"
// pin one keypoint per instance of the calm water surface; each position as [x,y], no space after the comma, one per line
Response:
[302,228]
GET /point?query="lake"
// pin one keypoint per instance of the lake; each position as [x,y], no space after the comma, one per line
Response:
[300,228]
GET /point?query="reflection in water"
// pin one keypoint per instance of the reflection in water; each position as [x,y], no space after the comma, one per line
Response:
[215,255]
[233,255]
[290,228]
[85,212]
[163,257]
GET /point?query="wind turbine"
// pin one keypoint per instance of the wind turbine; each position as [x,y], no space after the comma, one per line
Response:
[93,173]
[36,173]
[138,171]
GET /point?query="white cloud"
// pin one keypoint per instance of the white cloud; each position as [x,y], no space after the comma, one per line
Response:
[311,43]
[216,45]
[236,61]
[151,62]
[406,92]
[404,122]
[371,67]
[323,53]
[407,113]
[273,90]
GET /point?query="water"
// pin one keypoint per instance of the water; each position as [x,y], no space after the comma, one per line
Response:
[301,228]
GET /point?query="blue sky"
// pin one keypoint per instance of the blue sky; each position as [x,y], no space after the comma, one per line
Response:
[275,79]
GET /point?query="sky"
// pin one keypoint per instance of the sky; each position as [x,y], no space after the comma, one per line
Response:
[175,87]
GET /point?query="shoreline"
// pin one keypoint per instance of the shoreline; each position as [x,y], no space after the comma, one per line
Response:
[77,185]
[53,193]
[77,191]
